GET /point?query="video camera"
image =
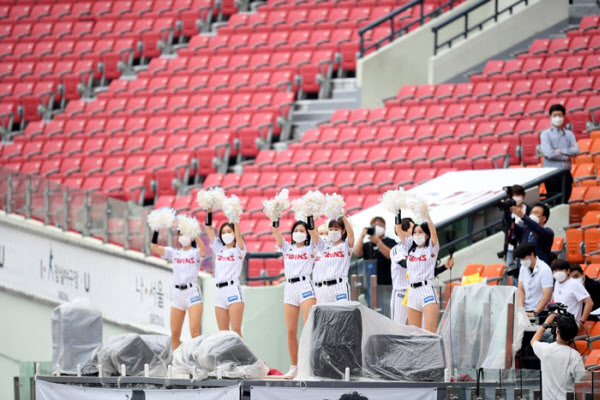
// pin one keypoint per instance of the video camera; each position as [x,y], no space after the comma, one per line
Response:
[561,311]
[508,202]
[370,230]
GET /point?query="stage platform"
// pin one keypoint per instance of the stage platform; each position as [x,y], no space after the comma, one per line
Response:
[266,389]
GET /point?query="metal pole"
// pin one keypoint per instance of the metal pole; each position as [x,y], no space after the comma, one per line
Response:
[88,215]
[354,287]
[510,319]
[126,237]
[32,388]
[47,204]
[107,212]
[374,305]
[9,194]
[28,198]
[17,388]
[66,219]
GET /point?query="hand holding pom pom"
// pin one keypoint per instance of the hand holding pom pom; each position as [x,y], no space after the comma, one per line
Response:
[211,199]
[232,209]
[274,208]
[334,206]
[161,218]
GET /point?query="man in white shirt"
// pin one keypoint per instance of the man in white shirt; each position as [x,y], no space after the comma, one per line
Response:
[535,280]
[570,292]
[560,363]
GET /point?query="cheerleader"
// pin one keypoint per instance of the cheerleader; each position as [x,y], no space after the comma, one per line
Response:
[230,251]
[186,294]
[298,261]
[421,249]
[334,262]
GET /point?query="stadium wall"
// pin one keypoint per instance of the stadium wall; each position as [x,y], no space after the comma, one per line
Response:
[409,60]
[116,288]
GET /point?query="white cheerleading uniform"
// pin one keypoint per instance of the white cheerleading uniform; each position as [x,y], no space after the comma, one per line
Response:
[333,265]
[186,264]
[400,285]
[298,264]
[228,268]
[421,271]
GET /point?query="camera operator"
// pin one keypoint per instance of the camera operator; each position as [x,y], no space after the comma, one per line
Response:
[535,280]
[533,229]
[570,292]
[377,248]
[592,286]
[559,362]
[518,196]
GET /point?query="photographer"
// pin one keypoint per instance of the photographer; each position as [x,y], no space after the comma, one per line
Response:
[377,248]
[533,231]
[592,286]
[535,280]
[518,196]
[559,362]
[570,292]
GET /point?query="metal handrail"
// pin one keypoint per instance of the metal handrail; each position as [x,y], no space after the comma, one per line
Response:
[404,28]
[465,14]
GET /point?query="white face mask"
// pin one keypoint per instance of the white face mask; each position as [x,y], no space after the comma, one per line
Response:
[325,237]
[379,231]
[228,238]
[518,200]
[560,276]
[185,241]
[419,239]
[334,236]
[526,262]
[534,218]
[580,279]
[557,121]
[299,237]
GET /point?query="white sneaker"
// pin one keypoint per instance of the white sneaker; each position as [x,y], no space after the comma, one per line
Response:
[293,371]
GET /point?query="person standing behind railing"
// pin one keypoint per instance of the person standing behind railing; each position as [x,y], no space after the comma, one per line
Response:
[299,294]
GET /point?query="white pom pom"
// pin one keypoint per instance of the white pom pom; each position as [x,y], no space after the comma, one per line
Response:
[394,200]
[334,206]
[275,207]
[188,226]
[298,208]
[212,198]
[161,218]
[313,203]
[232,208]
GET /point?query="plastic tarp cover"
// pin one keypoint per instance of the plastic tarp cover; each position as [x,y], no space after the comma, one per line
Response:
[474,326]
[223,353]
[134,351]
[349,335]
[76,332]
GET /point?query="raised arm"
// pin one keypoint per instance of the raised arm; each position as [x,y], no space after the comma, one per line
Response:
[208,226]
[434,236]
[349,231]
[238,236]
[154,245]
[278,237]
[201,246]
[312,230]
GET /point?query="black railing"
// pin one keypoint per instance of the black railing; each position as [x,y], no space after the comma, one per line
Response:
[468,29]
[260,278]
[403,28]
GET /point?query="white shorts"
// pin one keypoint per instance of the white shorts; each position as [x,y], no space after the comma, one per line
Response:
[399,310]
[422,296]
[298,292]
[331,294]
[227,295]
[184,299]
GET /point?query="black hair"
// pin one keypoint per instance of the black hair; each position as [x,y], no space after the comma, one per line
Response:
[339,223]
[305,225]
[425,228]
[545,208]
[567,326]
[353,396]
[576,268]
[559,264]
[229,224]
[406,223]
[518,190]
[557,107]
[523,250]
